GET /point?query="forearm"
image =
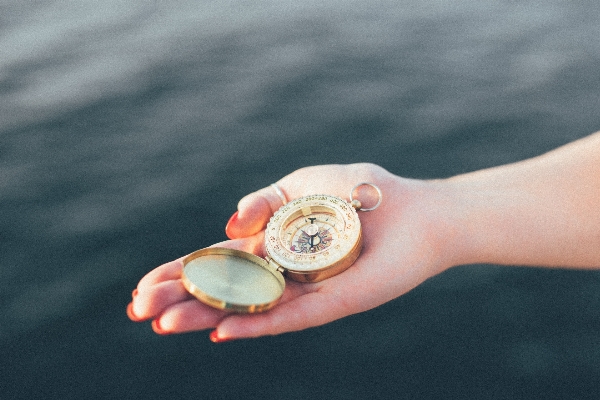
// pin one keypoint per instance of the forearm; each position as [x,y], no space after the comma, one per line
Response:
[544,211]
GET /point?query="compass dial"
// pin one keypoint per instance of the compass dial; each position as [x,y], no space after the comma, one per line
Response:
[311,234]
[314,233]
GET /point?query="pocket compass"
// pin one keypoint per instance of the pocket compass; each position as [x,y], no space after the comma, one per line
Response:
[307,240]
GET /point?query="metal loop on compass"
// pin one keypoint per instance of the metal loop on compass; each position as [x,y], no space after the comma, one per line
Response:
[374,187]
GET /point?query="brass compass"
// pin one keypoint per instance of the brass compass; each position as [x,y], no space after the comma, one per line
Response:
[307,240]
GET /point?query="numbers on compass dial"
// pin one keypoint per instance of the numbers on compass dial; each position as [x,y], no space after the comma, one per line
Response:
[311,234]
[314,234]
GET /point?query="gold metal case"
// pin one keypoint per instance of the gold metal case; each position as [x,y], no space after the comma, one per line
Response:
[307,240]
[233,280]
[314,237]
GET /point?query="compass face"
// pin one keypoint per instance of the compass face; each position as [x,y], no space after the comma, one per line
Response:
[313,233]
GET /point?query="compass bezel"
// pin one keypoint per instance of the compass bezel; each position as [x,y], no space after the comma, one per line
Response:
[346,245]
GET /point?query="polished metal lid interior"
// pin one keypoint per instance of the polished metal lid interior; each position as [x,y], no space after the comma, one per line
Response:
[232,279]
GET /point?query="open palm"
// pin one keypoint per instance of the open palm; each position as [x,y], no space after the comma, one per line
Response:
[400,251]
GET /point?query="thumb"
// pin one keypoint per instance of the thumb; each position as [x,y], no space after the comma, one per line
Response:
[254,211]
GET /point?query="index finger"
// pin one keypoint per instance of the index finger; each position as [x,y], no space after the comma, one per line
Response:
[255,209]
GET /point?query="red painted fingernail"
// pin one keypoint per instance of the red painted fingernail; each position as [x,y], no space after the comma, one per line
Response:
[158,329]
[131,315]
[232,221]
[134,293]
[214,337]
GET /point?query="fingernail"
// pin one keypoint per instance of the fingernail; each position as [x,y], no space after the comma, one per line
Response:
[158,329]
[214,337]
[131,315]
[134,293]
[232,221]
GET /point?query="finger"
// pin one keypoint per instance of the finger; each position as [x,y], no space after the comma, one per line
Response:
[309,310]
[304,306]
[254,211]
[172,270]
[191,315]
[187,316]
[152,300]
[166,272]
[162,287]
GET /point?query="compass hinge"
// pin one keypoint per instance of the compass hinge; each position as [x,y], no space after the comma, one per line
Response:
[274,265]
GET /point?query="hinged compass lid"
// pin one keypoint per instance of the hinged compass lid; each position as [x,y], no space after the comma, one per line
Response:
[232,280]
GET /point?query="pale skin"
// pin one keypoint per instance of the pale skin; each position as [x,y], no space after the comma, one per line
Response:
[544,211]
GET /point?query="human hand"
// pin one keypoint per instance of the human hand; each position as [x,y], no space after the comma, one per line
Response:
[402,248]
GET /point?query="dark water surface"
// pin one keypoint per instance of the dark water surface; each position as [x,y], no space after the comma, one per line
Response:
[129,130]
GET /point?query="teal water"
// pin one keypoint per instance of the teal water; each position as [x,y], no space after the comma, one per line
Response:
[129,130]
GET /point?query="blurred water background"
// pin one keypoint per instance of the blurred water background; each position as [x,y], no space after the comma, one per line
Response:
[130,129]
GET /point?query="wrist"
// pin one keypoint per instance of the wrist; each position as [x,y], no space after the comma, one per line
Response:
[455,234]
[490,216]
[487,220]
[431,212]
